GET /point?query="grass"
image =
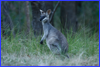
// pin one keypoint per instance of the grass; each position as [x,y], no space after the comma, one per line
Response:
[27,51]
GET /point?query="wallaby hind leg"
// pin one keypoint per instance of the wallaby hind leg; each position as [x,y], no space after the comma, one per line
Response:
[55,49]
[54,45]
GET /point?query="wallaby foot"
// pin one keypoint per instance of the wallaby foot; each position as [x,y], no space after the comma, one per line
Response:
[67,56]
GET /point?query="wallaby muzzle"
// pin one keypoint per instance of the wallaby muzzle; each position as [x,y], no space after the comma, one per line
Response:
[42,17]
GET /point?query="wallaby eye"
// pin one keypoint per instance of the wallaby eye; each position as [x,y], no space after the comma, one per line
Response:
[42,12]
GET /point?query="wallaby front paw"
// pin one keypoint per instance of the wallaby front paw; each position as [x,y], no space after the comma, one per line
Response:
[41,42]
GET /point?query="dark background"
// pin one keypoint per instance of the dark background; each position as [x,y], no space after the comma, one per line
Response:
[70,16]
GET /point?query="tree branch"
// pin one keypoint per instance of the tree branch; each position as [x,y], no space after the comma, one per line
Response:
[54,11]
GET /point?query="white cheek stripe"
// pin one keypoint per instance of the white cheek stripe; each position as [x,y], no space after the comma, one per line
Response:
[45,19]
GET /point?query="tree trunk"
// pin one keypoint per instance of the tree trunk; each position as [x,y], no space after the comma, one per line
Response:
[37,25]
[68,16]
[36,6]
[27,16]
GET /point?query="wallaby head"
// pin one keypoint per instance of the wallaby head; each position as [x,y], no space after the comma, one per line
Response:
[45,15]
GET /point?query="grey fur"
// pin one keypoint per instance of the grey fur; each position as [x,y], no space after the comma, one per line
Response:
[55,40]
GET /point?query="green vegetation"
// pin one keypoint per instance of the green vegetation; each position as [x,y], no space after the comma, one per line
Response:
[26,50]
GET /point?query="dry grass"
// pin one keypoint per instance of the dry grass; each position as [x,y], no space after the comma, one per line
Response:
[47,60]
[22,51]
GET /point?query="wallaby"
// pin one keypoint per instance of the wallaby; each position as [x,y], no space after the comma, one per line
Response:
[55,40]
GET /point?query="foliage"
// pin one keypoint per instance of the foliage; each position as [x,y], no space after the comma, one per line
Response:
[26,50]
[82,48]
[88,16]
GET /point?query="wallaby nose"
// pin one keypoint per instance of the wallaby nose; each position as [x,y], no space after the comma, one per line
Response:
[42,17]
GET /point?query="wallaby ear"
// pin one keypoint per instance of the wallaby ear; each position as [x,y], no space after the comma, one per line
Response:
[48,11]
[42,11]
